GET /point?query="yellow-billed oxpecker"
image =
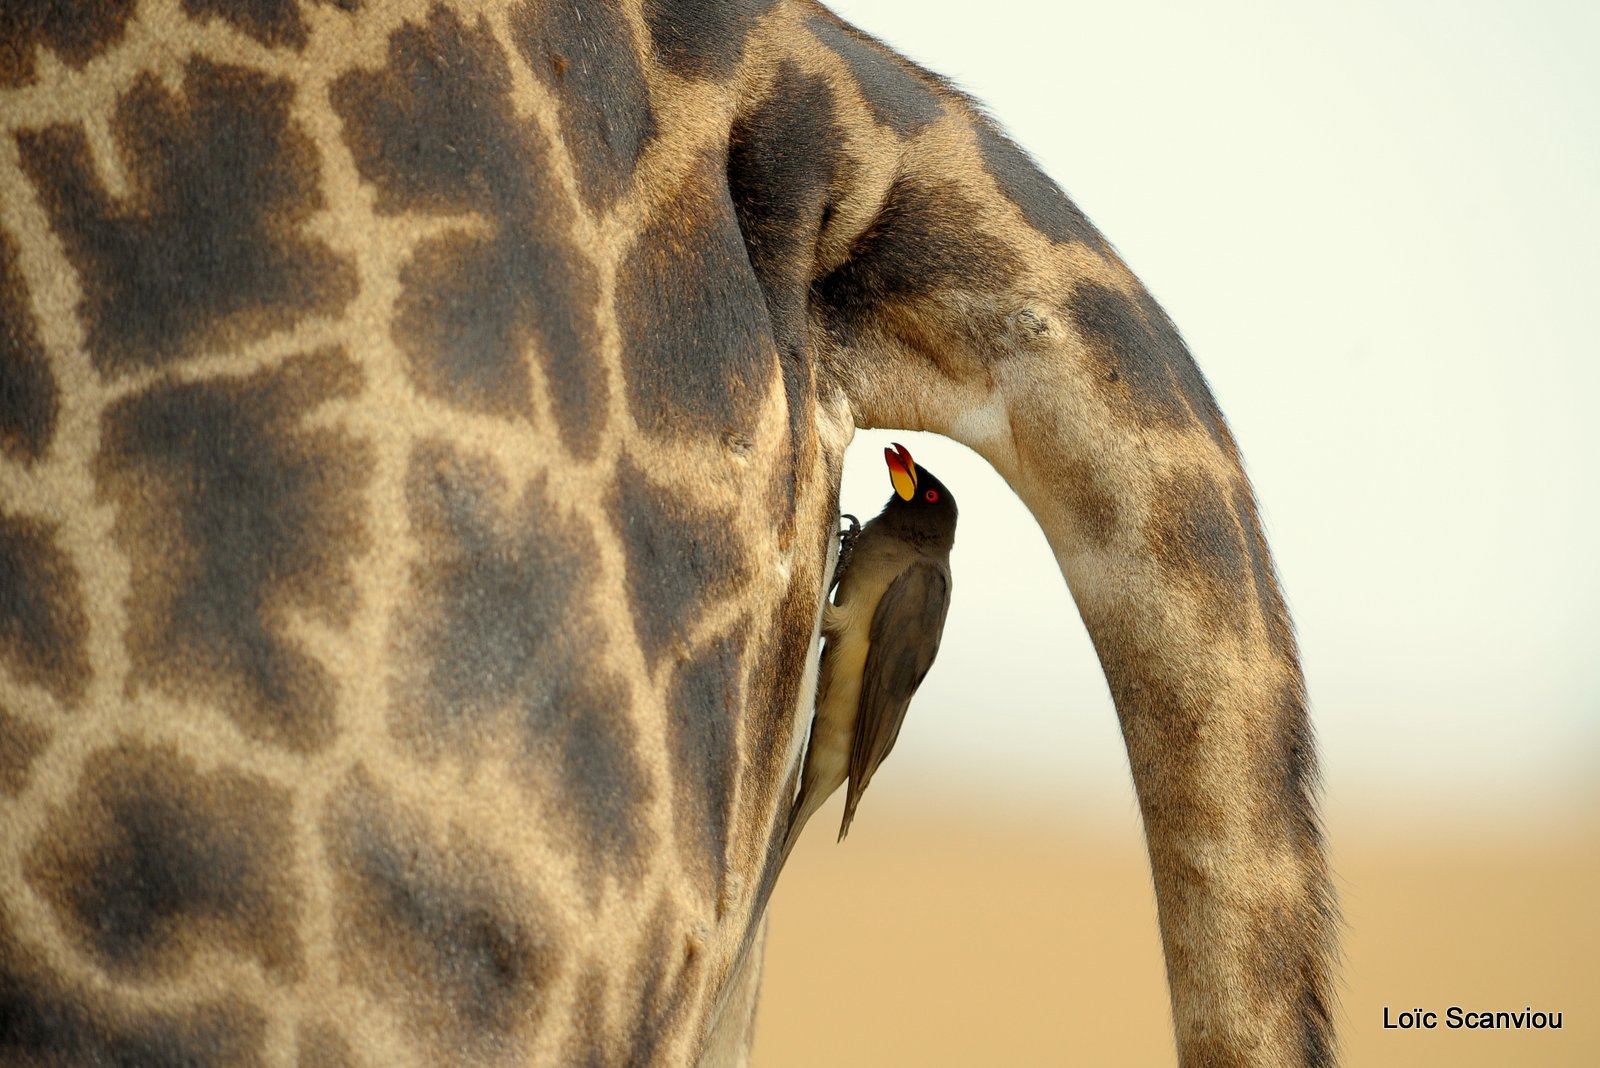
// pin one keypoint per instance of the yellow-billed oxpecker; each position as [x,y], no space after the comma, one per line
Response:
[882,631]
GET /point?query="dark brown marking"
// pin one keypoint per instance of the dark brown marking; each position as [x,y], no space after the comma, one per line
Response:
[922,241]
[1042,203]
[207,251]
[679,555]
[29,399]
[75,30]
[274,23]
[43,627]
[1146,370]
[584,52]
[773,687]
[697,343]
[436,132]
[497,641]
[20,743]
[900,94]
[320,1045]
[152,861]
[588,1043]
[1274,614]
[44,1022]
[663,977]
[438,929]
[1195,535]
[236,515]
[784,169]
[702,38]
[704,704]
[1081,488]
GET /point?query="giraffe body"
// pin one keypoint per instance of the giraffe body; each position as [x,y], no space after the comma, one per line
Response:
[420,437]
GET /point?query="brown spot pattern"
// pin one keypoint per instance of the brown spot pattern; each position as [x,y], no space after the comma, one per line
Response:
[921,243]
[1145,370]
[678,556]
[29,398]
[436,132]
[1269,599]
[75,30]
[703,714]
[319,1045]
[207,251]
[20,743]
[498,642]
[271,22]
[437,929]
[152,861]
[45,1022]
[234,515]
[1195,534]
[701,38]
[43,627]
[697,342]
[583,51]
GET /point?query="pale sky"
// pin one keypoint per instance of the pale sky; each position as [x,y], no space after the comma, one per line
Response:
[1378,226]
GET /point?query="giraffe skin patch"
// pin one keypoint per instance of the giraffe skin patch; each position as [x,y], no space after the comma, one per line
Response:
[1094,507]
[497,643]
[274,23]
[75,31]
[702,700]
[784,165]
[1295,760]
[320,1045]
[237,517]
[43,627]
[697,342]
[784,168]
[588,1042]
[20,743]
[207,251]
[437,928]
[664,975]
[47,1022]
[702,39]
[921,242]
[151,861]
[1145,369]
[29,399]
[678,556]
[773,687]
[583,51]
[1274,614]
[1042,203]
[436,132]
[1194,533]
[899,96]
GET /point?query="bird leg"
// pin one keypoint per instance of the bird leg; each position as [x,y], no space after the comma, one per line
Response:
[847,548]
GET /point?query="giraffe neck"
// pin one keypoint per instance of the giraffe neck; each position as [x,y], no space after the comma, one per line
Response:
[420,440]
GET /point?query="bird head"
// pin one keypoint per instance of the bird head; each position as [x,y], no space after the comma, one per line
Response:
[922,509]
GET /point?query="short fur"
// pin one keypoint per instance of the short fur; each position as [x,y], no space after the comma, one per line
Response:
[420,437]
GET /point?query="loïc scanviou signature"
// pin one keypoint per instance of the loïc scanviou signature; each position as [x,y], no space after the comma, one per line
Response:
[1455,1018]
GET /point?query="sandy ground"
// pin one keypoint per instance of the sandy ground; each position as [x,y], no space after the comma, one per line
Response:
[971,940]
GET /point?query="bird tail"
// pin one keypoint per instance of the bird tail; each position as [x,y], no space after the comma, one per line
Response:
[805,805]
[852,798]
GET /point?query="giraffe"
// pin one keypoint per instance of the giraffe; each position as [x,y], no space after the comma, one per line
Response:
[420,437]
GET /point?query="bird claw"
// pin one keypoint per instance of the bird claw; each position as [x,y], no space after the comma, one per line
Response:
[847,547]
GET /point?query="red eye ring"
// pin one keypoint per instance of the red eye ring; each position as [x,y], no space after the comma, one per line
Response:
[931,496]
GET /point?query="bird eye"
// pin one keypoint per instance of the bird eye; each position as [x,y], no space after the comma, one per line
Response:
[931,495]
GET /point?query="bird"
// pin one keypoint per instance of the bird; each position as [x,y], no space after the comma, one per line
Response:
[881,631]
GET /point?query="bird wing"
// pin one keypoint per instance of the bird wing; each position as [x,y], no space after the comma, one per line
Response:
[906,628]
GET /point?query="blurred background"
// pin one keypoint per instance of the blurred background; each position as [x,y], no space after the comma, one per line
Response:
[1378,226]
